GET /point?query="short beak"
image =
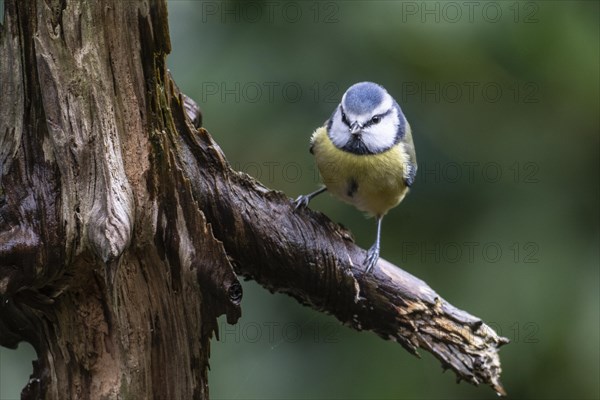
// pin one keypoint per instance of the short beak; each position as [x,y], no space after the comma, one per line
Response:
[355,128]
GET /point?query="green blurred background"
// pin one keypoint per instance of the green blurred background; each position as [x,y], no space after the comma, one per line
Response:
[503,98]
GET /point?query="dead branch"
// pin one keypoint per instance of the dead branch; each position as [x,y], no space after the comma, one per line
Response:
[306,255]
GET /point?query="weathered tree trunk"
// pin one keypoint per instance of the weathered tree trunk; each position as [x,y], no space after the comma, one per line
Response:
[108,266]
[120,222]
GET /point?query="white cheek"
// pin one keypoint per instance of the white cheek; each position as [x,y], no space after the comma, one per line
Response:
[381,136]
[339,133]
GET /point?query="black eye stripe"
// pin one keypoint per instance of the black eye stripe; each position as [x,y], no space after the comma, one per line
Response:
[344,117]
[379,117]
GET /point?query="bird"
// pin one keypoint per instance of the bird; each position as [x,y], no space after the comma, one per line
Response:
[365,156]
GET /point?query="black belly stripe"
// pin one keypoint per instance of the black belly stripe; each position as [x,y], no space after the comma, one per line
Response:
[352,187]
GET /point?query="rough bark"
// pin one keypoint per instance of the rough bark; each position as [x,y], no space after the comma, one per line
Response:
[108,266]
[121,223]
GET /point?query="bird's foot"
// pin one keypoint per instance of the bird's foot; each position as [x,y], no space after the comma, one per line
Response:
[372,258]
[302,201]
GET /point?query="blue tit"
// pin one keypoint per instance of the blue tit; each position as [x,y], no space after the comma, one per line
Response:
[365,155]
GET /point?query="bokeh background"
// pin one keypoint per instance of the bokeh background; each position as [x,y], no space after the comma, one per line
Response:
[503,222]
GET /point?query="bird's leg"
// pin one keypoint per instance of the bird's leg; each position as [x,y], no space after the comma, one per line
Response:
[373,253]
[303,200]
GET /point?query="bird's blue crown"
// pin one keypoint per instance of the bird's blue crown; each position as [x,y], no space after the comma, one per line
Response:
[363,97]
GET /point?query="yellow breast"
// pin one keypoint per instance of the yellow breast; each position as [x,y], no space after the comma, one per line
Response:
[372,183]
